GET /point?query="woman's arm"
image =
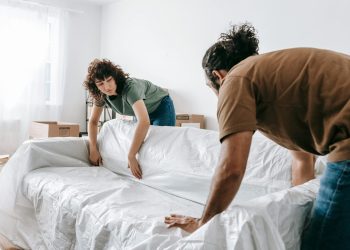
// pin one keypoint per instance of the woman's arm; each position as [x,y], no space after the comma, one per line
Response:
[143,124]
[94,156]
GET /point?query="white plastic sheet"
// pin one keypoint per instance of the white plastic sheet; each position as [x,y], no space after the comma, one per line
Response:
[17,217]
[181,161]
[52,199]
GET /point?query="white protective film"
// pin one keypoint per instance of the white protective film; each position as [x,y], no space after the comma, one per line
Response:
[51,198]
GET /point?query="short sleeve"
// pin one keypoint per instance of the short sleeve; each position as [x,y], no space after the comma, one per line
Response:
[134,93]
[99,102]
[236,106]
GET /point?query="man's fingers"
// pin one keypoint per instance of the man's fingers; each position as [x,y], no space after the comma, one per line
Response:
[187,223]
[168,220]
[172,225]
[177,215]
[178,221]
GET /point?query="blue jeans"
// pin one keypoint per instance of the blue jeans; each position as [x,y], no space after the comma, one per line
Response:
[164,115]
[330,220]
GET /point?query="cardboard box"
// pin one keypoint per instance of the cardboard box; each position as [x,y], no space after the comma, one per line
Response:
[44,129]
[124,117]
[4,159]
[190,120]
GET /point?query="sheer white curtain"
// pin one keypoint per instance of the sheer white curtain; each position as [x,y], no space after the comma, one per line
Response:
[31,69]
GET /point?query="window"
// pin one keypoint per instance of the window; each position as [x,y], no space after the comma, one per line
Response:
[30,49]
[50,82]
[32,65]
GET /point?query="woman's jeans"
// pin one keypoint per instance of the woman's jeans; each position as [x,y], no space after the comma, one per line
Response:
[330,220]
[164,115]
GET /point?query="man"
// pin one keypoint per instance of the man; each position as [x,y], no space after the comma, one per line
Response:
[300,98]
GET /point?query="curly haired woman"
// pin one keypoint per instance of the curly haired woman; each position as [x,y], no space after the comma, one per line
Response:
[109,85]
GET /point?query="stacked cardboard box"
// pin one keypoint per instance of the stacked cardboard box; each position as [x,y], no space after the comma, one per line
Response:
[190,120]
[3,160]
[44,129]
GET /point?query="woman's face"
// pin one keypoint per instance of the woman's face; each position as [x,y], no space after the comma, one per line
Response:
[107,86]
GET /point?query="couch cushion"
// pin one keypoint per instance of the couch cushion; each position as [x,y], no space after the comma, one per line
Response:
[190,156]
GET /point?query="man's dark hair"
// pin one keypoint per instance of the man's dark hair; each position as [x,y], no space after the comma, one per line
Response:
[232,47]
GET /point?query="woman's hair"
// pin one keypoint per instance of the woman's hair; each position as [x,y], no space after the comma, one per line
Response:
[100,70]
[238,44]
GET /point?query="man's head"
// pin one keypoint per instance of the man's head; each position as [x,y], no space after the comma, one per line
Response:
[103,78]
[232,47]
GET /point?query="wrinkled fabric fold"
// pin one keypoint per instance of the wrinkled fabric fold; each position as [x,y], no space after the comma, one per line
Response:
[51,198]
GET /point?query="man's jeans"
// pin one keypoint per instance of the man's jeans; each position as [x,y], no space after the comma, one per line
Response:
[330,220]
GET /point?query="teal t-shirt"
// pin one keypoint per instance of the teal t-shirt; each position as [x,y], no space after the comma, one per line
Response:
[134,90]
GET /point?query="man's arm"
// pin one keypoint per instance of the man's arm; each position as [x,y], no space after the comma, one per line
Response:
[303,167]
[226,181]
[229,174]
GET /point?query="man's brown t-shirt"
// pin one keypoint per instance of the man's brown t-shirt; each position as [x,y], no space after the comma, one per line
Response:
[300,98]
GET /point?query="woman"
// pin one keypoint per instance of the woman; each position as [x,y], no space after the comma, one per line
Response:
[151,105]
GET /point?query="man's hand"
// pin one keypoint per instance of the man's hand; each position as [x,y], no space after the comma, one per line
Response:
[95,157]
[226,181]
[187,223]
[134,167]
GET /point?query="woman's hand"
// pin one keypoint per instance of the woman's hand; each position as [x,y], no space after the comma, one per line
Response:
[95,157]
[187,223]
[134,166]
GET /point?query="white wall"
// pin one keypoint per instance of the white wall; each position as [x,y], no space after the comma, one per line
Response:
[83,45]
[164,41]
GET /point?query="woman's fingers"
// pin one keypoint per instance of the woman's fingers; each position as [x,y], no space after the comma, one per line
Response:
[136,172]
[94,163]
[135,168]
